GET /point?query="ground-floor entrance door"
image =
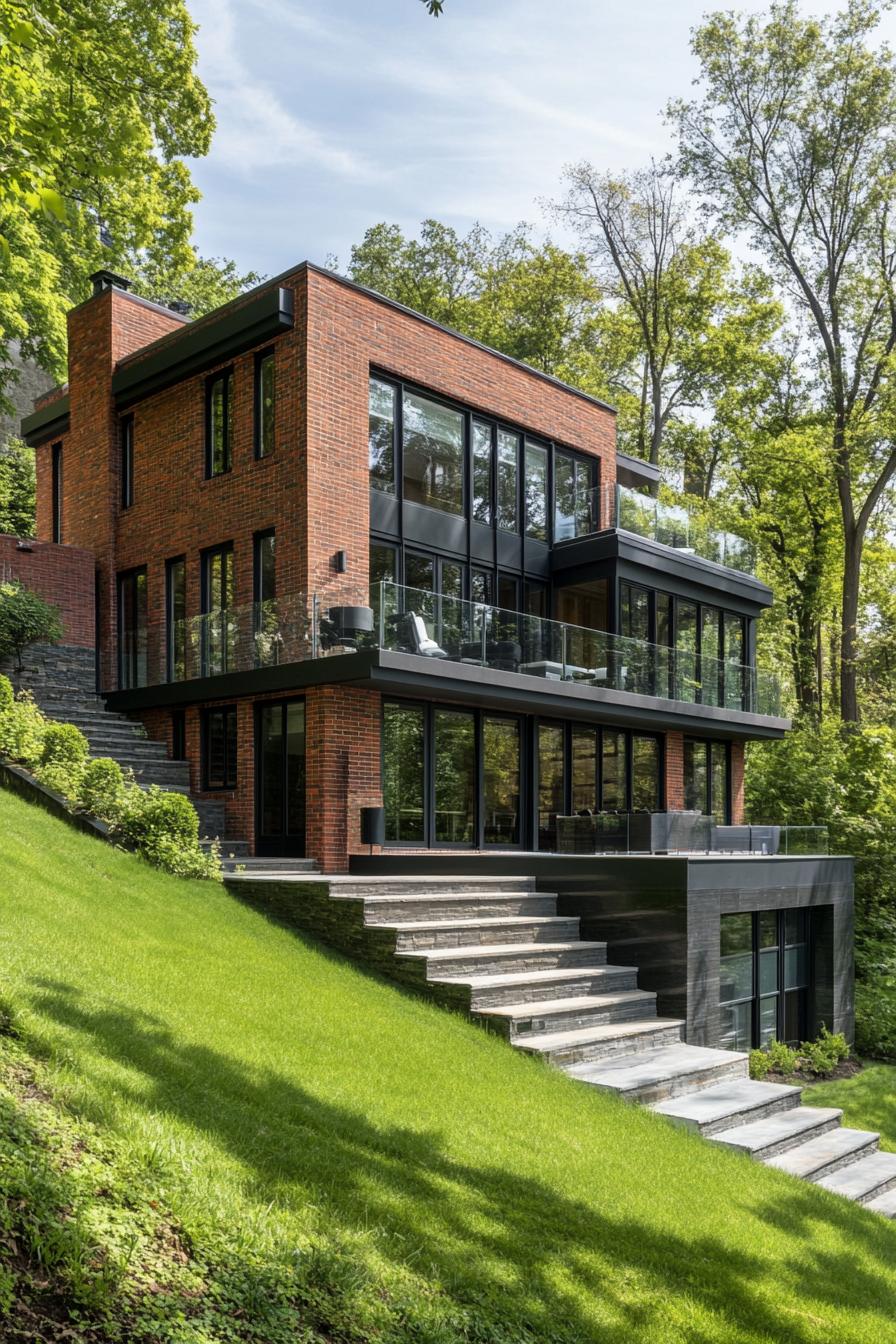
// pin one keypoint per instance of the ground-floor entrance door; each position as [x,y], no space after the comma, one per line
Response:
[280,778]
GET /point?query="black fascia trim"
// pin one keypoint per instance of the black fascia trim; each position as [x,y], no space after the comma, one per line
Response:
[49,422]
[432,679]
[571,560]
[199,347]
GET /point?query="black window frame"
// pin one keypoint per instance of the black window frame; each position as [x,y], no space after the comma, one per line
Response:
[258,540]
[179,735]
[807,925]
[224,549]
[56,475]
[171,567]
[224,376]
[228,714]
[129,672]
[126,452]
[706,745]
[263,358]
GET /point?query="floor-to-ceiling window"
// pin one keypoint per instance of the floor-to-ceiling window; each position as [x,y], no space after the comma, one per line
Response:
[501,785]
[454,761]
[404,772]
[132,629]
[176,617]
[433,454]
[764,978]
[280,777]
[707,778]
[218,628]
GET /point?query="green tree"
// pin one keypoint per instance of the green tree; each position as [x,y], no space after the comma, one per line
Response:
[694,324]
[793,143]
[16,489]
[99,107]
[25,618]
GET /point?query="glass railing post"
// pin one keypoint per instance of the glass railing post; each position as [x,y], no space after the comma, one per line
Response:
[563,658]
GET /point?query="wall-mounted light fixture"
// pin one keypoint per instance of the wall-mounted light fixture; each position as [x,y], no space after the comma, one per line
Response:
[340,562]
[24,545]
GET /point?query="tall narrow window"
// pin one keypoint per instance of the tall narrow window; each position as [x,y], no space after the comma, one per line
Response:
[383,399]
[219,748]
[267,632]
[551,786]
[132,667]
[575,511]
[404,742]
[536,482]
[482,473]
[176,617]
[127,461]
[219,634]
[646,791]
[57,491]
[219,424]
[500,781]
[508,481]
[264,403]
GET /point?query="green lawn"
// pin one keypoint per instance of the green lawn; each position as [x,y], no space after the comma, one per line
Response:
[868,1100]
[324,1148]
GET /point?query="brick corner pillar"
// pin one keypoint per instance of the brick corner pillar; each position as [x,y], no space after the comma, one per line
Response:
[674,771]
[342,771]
[737,783]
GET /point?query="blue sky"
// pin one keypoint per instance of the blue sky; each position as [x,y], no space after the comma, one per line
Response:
[335,114]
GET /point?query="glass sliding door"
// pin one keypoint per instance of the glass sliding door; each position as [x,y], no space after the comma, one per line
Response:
[404,773]
[646,784]
[280,777]
[132,631]
[454,755]
[687,680]
[501,791]
[614,772]
[551,782]
[584,763]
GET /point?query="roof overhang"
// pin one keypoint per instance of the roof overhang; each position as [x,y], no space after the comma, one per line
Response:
[48,422]
[434,679]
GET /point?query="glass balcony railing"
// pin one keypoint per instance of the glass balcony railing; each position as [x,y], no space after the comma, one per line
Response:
[674,525]
[301,627]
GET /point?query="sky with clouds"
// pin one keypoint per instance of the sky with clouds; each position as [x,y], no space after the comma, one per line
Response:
[335,114]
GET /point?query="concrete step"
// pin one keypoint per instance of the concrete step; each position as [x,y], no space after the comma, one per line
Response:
[516,1021]
[532,987]
[655,1075]
[371,887]
[782,1131]
[820,1156]
[255,867]
[437,906]
[562,1048]
[738,1101]
[499,959]
[465,933]
[883,1204]
[867,1179]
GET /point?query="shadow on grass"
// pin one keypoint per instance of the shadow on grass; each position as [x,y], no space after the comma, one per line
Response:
[530,1256]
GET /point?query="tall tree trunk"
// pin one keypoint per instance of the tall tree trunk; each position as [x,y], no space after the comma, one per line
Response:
[852,563]
[656,406]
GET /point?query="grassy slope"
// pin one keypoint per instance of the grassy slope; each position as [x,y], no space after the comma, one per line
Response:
[269,1093]
[868,1101]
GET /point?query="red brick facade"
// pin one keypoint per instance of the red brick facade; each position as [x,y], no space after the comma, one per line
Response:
[62,575]
[313,489]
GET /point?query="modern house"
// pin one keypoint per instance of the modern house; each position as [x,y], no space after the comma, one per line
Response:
[402,607]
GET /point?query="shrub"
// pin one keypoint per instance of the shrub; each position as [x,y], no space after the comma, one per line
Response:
[63,758]
[22,728]
[25,618]
[821,1057]
[102,789]
[164,827]
[876,1019]
[6,694]
[760,1064]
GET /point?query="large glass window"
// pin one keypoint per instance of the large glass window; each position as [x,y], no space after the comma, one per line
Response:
[584,770]
[573,497]
[56,467]
[264,403]
[267,620]
[219,633]
[764,978]
[219,755]
[132,632]
[455,777]
[483,509]
[433,454]
[176,617]
[734,661]
[536,481]
[687,682]
[634,611]
[501,781]
[645,774]
[381,435]
[583,604]
[707,787]
[614,784]
[508,481]
[219,424]
[404,745]
[711,681]
[280,735]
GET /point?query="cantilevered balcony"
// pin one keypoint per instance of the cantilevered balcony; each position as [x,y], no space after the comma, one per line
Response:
[410,638]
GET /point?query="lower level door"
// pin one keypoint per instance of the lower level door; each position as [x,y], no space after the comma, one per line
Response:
[280,778]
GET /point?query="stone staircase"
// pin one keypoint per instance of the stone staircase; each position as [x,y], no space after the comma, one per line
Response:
[496,948]
[62,681]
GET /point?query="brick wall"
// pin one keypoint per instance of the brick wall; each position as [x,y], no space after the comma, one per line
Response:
[674,771]
[737,782]
[62,575]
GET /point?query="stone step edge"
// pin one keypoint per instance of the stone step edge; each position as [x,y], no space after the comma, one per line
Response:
[799,1125]
[864,1143]
[508,979]
[551,1007]
[478,950]
[546,1042]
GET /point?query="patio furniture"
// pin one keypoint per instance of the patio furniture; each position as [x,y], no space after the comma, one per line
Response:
[413,636]
[666,832]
